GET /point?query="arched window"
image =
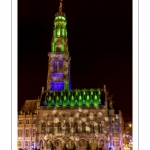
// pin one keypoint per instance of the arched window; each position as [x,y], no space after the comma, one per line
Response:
[49,144]
[92,127]
[83,127]
[51,128]
[76,127]
[67,128]
[47,127]
[59,127]
[94,144]
[60,65]
[43,127]
[55,66]
[71,145]
[41,144]
[100,127]
[101,144]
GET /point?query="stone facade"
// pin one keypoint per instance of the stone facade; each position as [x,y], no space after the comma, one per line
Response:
[27,124]
[64,118]
[69,127]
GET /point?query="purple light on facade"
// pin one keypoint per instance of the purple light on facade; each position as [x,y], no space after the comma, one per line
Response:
[57,86]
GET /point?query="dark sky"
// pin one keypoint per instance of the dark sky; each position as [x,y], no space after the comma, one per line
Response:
[100,45]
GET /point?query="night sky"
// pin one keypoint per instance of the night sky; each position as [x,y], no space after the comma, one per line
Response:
[100,45]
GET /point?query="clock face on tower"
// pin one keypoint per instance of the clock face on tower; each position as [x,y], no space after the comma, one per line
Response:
[58,43]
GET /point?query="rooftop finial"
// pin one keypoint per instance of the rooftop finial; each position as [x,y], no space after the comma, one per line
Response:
[104,88]
[60,6]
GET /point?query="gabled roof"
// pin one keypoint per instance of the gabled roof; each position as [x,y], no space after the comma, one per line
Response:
[29,106]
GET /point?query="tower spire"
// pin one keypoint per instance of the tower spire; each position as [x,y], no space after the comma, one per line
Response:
[58,77]
[60,6]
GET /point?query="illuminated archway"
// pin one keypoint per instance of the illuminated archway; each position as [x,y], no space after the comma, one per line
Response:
[49,144]
[126,142]
[59,144]
[93,144]
[70,145]
[83,144]
[41,143]
[101,144]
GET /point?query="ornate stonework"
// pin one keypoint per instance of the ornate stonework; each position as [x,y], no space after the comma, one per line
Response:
[66,119]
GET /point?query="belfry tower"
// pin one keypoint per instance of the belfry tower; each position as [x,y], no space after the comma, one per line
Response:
[58,77]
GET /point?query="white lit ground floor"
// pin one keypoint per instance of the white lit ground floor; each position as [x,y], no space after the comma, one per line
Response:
[70,142]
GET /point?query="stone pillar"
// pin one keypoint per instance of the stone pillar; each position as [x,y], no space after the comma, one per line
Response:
[120,142]
[111,142]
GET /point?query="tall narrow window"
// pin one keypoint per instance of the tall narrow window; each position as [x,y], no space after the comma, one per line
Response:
[100,127]
[20,121]
[59,127]
[33,132]
[76,127]
[113,143]
[117,143]
[60,65]
[67,128]
[27,132]
[19,143]
[92,127]
[83,127]
[117,128]
[27,121]
[55,66]
[44,127]
[101,144]
[51,129]
[32,143]
[48,127]
[26,144]
[19,133]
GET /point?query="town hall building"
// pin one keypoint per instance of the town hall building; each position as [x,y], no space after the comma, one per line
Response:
[63,118]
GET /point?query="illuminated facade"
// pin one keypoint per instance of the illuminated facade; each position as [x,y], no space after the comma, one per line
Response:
[27,124]
[66,118]
[127,140]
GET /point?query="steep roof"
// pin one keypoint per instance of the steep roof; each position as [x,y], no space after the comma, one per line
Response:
[30,106]
[73,98]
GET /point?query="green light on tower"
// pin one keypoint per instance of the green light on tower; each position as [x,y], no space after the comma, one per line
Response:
[58,32]
[49,101]
[87,100]
[72,101]
[63,18]
[53,47]
[99,92]
[63,32]
[91,91]
[84,93]
[76,93]
[61,94]
[66,85]
[80,101]
[57,101]
[64,101]
[95,101]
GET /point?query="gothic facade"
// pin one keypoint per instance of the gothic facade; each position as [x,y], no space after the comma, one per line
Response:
[64,118]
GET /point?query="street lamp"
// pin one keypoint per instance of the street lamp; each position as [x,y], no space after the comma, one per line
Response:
[130,125]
